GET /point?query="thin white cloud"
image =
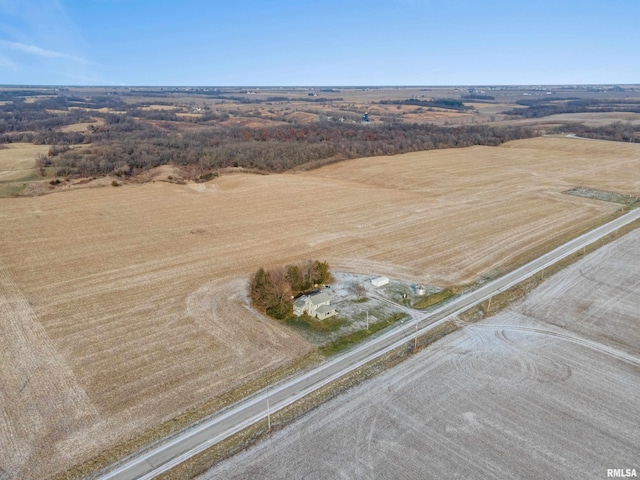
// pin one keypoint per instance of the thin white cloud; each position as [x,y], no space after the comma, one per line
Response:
[40,52]
[8,63]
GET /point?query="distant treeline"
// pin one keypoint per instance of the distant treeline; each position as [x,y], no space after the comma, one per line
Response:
[551,106]
[274,99]
[478,97]
[128,146]
[448,103]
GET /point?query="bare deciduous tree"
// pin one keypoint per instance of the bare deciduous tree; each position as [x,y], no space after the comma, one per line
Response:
[357,289]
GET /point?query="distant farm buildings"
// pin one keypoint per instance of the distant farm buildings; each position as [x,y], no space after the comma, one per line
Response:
[379,281]
[316,304]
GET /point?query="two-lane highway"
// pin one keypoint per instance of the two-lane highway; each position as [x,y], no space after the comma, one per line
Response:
[194,440]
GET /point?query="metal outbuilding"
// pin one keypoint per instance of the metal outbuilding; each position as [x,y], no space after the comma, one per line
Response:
[379,281]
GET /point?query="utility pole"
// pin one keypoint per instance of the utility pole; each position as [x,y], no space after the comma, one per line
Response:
[415,341]
[268,416]
[486,312]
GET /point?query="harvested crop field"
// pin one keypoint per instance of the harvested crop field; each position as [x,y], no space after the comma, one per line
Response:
[546,389]
[18,160]
[134,297]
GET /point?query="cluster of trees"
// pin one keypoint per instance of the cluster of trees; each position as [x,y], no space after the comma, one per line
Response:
[272,291]
[551,106]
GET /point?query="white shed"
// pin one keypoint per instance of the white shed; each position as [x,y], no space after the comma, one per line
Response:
[379,281]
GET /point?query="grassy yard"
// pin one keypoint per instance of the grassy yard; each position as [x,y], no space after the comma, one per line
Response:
[341,343]
[433,299]
[306,322]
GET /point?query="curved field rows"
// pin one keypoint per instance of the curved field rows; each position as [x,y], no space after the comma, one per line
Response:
[141,290]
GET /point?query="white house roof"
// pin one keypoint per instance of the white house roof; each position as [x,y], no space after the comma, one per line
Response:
[300,301]
[325,309]
[318,298]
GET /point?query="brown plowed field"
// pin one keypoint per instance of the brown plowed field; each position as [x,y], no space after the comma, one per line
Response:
[136,295]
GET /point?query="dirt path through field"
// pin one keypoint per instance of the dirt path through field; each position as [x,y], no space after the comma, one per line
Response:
[35,377]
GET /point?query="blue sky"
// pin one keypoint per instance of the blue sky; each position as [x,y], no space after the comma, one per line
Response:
[347,42]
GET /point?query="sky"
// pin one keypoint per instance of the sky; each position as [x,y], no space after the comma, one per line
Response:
[330,43]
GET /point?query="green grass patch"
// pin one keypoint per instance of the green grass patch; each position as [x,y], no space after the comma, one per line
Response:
[350,339]
[434,298]
[14,187]
[603,195]
[11,189]
[306,322]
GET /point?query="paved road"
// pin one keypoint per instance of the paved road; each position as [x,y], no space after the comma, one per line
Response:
[167,455]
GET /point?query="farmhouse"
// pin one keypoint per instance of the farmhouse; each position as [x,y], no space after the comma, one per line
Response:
[315,305]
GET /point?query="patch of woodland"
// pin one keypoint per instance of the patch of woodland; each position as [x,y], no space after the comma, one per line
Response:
[272,291]
[131,138]
[536,108]
[41,116]
[617,131]
[129,146]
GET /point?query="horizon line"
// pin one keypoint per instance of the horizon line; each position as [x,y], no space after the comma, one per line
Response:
[479,85]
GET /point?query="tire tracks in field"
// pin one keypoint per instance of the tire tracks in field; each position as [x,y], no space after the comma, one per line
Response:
[597,346]
[478,358]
